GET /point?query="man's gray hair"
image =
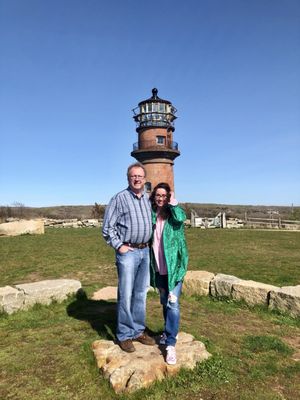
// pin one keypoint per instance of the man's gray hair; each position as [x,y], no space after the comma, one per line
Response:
[136,165]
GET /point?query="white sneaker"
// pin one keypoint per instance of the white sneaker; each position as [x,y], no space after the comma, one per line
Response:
[163,338]
[171,355]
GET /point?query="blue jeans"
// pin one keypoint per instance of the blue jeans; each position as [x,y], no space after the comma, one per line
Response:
[133,281]
[171,310]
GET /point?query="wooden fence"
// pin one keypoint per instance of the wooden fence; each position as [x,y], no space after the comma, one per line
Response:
[272,222]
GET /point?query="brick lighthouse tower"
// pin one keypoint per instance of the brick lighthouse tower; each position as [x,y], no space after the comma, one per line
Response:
[155,148]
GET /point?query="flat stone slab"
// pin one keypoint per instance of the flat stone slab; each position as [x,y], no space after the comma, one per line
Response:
[106,293]
[110,293]
[221,285]
[128,372]
[252,292]
[197,282]
[44,292]
[22,227]
[11,299]
[286,299]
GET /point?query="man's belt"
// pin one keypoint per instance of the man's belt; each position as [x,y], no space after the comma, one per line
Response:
[136,245]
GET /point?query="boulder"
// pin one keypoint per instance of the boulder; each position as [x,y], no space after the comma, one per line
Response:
[44,292]
[111,293]
[22,227]
[12,219]
[221,285]
[128,372]
[11,299]
[92,222]
[69,224]
[252,292]
[286,299]
[106,293]
[197,282]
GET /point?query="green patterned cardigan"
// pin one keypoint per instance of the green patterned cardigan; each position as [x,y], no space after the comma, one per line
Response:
[175,247]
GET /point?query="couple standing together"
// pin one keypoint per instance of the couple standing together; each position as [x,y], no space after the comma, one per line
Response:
[148,237]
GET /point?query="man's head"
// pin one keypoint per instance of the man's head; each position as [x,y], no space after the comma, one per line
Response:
[136,175]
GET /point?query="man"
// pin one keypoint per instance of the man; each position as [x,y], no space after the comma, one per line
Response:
[127,227]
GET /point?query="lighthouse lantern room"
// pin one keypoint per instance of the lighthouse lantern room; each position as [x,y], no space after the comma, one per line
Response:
[155,148]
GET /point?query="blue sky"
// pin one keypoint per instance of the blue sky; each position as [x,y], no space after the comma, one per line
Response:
[72,70]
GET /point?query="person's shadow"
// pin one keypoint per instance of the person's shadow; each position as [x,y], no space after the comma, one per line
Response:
[100,314]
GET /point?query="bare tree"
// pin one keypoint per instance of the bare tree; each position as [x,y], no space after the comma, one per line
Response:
[19,209]
[98,211]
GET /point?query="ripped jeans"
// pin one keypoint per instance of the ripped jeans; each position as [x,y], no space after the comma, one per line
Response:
[170,303]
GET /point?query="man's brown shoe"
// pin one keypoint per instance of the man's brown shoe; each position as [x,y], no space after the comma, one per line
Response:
[126,345]
[145,339]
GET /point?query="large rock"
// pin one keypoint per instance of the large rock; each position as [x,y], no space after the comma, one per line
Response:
[128,372]
[22,227]
[44,292]
[106,293]
[11,299]
[221,285]
[91,222]
[286,299]
[70,224]
[110,293]
[197,282]
[252,292]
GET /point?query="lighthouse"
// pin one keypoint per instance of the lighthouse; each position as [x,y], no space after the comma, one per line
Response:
[155,148]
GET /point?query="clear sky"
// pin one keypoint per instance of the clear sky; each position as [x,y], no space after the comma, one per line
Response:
[72,70]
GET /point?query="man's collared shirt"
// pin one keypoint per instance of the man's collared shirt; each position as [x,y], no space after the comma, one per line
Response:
[127,218]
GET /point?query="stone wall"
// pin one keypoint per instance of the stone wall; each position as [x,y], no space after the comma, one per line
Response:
[15,226]
[72,223]
[283,299]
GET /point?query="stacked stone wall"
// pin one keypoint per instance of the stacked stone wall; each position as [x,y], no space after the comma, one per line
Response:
[283,299]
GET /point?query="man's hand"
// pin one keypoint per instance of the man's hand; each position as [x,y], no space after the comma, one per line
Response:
[124,249]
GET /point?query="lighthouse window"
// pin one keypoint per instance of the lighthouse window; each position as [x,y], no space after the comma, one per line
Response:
[149,107]
[160,139]
[161,107]
[148,187]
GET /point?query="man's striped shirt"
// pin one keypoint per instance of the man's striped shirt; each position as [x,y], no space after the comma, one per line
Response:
[127,218]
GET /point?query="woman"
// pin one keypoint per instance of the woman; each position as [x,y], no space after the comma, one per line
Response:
[169,260]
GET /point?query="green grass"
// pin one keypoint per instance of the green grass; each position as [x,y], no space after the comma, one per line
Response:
[71,253]
[265,256]
[258,344]
[45,353]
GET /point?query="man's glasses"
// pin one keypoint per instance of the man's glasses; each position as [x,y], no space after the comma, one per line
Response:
[136,177]
[161,196]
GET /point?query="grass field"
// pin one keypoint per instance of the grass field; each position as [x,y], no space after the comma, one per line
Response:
[45,353]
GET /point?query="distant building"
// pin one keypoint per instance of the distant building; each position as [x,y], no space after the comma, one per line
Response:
[155,148]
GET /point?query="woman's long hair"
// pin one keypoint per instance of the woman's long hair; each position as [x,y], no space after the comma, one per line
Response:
[165,211]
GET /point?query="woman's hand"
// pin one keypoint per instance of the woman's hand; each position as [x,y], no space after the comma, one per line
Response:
[172,201]
[172,197]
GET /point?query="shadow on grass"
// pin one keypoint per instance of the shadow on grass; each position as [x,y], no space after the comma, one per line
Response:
[100,314]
